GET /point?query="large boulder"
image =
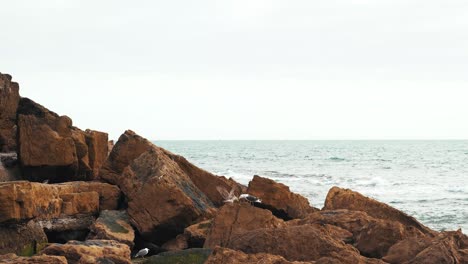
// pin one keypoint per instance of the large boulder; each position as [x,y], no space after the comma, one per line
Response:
[113,225]
[40,259]
[294,243]
[206,181]
[91,251]
[50,148]
[162,199]
[279,199]
[229,256]
[234,219]
[339,198]
[446,247]
[9,100]
[371,236]
[24,200]
[22,239]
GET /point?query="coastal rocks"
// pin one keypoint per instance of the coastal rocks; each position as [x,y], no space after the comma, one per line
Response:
[22,239]
[234,219]
[91,251]
[446,247]
[205,181]
[279,199]
[196,234]
[162,199]
[24,200]
[373,237]
[339,198]
[295,243]
[39,259]
[50,148]
[9,100]
[229,256]
[113,225]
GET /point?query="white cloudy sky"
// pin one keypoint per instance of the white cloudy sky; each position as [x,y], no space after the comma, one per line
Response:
[245,69]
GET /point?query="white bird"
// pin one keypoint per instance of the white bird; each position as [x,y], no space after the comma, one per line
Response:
[229,197]
[142,253]
[250,198]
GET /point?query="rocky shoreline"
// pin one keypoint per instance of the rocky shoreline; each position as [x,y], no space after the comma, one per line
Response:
[69,196]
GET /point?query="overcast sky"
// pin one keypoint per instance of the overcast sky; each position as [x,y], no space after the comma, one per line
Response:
[245,69]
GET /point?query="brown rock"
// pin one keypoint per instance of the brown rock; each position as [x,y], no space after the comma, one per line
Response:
[196,234]
[24,200]
[234,219]
[9,167]
[9,100]
[295,243]
[373,237]
[22,239]
[50,148]
[97,143]
[279,199]
[41,259]
[113,225]
[162,200]
[206,181]
[176,244]
[229,256]
[109,195]
[339,198]
[91,251]
[446,247]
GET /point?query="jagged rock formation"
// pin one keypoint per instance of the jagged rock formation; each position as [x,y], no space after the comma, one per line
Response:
[9,99]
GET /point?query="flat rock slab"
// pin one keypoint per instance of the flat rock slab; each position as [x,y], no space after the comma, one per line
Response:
[113,225]
[91,251]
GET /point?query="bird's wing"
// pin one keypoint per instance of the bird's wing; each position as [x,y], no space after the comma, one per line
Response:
[223,192]
[231,193]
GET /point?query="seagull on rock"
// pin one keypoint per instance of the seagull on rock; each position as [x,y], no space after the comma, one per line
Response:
[250,198]
[142,253]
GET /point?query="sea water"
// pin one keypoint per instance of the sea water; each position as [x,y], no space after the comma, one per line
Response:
[426,179]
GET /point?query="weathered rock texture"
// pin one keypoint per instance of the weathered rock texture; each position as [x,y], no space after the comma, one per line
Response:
[40,259]
[27,200]
[113,225]
[162,199]
[294,243]
[9,100]
[339,198]
[9,169]
[22,239]
[446,247]
[279,199]
[196,234]
[229,256]
[372,236]
[234,219]
[91,251]
[50,148]
[206,181]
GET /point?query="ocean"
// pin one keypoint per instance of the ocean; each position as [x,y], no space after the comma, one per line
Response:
[426,179]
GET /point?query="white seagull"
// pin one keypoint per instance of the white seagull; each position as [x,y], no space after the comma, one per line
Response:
[142,253]
[250,198]
[229,197]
